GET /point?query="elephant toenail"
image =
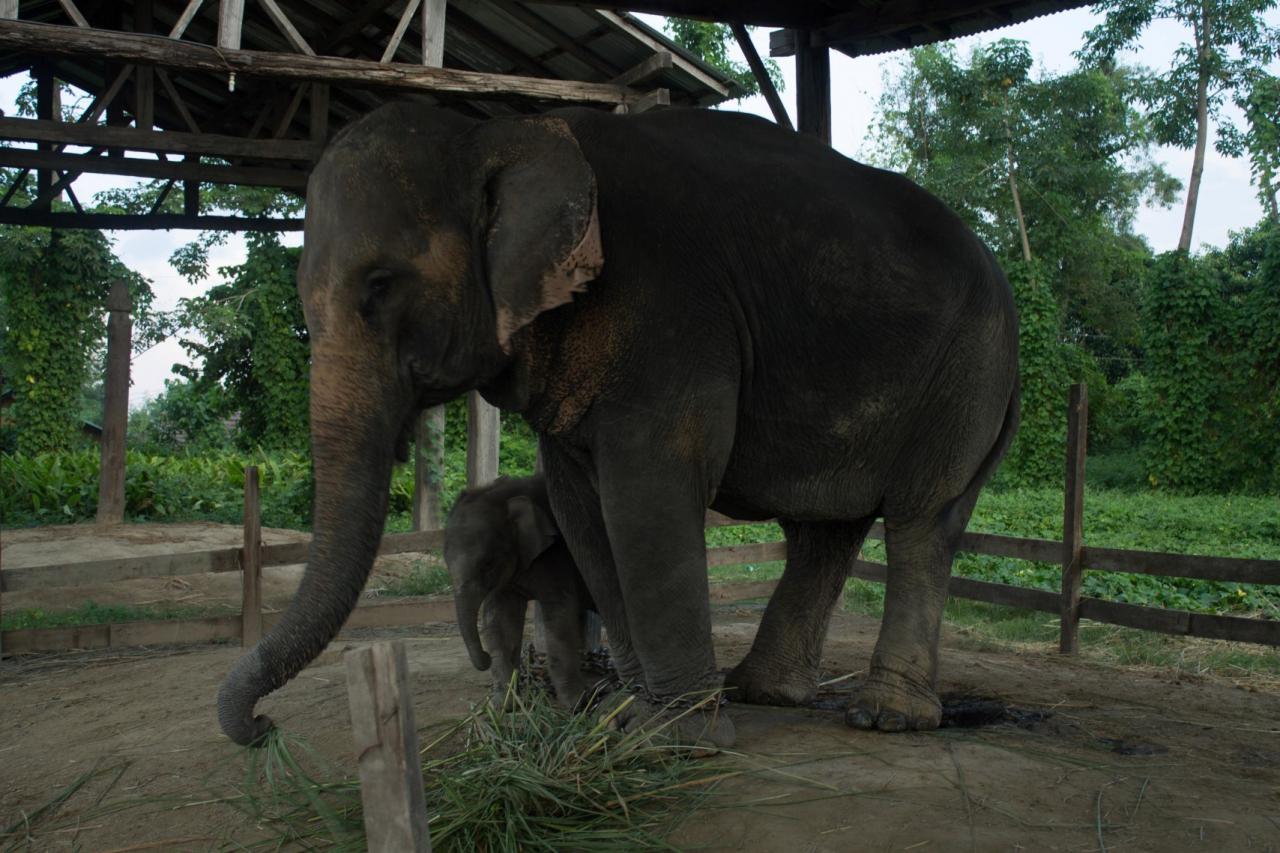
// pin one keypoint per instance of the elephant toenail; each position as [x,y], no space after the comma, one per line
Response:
[892,722]
[859,718]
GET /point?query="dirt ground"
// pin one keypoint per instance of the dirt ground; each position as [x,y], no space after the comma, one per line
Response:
[1106,758]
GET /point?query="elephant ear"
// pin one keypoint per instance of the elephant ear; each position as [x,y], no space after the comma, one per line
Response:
[542,238]
[535,530]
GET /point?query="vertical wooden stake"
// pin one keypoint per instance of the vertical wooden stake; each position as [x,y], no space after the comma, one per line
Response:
[484,429]
[115,406]
[251,562]
[386,744]
[813,88]
[1073,517]
[433,13]
[428,470]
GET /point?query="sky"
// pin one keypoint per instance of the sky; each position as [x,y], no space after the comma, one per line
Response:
[1227,200]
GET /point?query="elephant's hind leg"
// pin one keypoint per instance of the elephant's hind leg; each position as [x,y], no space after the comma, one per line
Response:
[782,666]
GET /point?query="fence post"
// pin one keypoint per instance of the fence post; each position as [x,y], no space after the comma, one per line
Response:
[115,406]
[386,744]
[1073,517]
[428,469]
[251,562]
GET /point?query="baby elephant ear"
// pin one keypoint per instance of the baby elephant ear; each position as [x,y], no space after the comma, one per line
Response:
[541,231]
[535,529]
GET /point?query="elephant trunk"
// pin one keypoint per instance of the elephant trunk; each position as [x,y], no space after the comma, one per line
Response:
[352,481]
[468,600]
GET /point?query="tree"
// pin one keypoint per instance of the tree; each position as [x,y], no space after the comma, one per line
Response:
[1261,141]
[1229,45]
[1049,170]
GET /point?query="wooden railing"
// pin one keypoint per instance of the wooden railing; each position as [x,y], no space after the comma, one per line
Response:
[1073,555]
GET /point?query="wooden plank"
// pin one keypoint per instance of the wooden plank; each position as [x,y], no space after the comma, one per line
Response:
[1039,550]
[428,470]
[412,543]
[251,562]
[649,101]
[57,40]
[286,26]
[115,406]
[121,569]
[715,519]
[1073,518]
[88,134]
[184,20]
[176,99]
[813,89]
[1229,569]
[433,28]
[143,222]
[386,747]
[1210,626]
[733,555]
[388,614]
[8,9]
[286,554]
[723,593]
[230,23]
[254,176]
[73,12]
[176,632]
[406,17]
[1005,594]
[643,71]
[623,21]
[484,434]
[762,77]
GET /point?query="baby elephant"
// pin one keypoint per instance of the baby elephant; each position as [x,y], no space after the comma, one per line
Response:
[503,549]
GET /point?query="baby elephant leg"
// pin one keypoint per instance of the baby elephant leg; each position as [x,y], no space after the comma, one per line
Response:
[502,629]
[564,650]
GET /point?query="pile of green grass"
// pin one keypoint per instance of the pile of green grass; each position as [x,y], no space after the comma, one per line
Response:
[529,778]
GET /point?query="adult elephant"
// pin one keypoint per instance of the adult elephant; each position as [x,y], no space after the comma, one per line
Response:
[693,309]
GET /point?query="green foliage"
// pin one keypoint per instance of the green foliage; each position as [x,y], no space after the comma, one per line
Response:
[53,291]
[183,418]
[1260,140]
[423,579]
[91,613]
[1212,407]
[253,347]
[710,42]
[1036,453]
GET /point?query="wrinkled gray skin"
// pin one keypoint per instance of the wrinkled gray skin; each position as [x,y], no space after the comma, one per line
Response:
[693,309]
[503,550]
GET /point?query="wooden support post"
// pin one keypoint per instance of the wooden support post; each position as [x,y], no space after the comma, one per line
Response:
[433,13]
[428,470]
[230,21]
[319,124]
[1073,517]
[484,431]
[115,406]
[144,79]
[9,9]
[813,88]
[47,109]
[762,76]
[191,191]
[251,562]
[386,745]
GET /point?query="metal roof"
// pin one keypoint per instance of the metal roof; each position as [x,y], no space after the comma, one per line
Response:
[493,36]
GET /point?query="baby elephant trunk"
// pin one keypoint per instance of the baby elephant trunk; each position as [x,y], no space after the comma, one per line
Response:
[468,600]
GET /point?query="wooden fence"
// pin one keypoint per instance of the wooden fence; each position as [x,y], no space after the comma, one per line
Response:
[1072,554]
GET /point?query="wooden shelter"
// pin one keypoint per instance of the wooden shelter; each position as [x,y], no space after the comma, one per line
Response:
[246,92]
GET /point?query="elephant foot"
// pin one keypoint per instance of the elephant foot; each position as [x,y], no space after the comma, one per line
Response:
[892,702]
[758,684]
[702,726]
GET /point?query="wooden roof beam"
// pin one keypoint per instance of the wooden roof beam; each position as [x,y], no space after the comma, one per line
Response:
[141,222]
[158,50]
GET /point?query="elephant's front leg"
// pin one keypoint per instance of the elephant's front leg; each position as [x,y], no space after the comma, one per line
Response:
[654,506]
[502,630]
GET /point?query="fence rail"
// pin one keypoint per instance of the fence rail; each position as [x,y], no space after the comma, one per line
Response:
[1074,558]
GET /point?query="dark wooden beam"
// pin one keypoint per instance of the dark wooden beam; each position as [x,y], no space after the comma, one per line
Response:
[247,175]
[115,406]
[646,70]
[176,142]
[157,50]
[139,222]
[813,89]
[762,77]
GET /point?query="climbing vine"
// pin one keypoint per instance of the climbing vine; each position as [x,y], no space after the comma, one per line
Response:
[1036,454]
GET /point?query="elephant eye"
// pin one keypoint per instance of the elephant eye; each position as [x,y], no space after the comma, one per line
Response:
[376,285]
